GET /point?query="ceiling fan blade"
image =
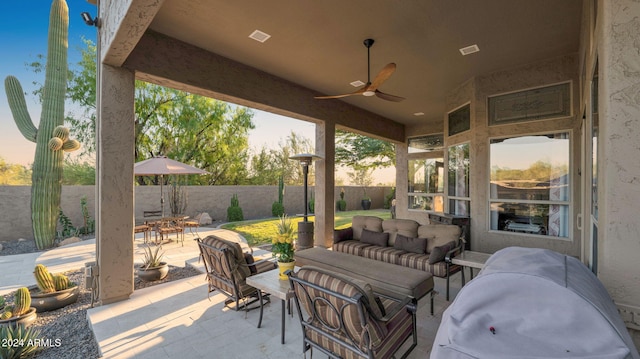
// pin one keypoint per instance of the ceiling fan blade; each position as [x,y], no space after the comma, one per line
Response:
[386,96]
[382,76]
[357,92]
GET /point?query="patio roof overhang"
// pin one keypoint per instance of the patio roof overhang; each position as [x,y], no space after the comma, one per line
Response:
[316,48]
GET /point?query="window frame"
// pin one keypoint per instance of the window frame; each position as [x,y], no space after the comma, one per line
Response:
[449,197]
[417,156]
[570,191]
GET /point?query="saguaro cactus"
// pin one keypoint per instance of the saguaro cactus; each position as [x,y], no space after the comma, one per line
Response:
[51,137]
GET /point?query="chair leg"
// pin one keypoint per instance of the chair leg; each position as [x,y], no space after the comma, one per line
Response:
[432,295]
[448,276]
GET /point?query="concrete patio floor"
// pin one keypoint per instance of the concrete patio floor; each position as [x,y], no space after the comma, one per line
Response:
[176,319]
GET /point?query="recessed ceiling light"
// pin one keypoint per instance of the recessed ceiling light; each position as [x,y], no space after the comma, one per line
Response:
[419,114]
[260,36]
[357,83]
[469,50]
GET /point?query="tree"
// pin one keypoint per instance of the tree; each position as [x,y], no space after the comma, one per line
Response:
[203,132]
[78,173]
[268,165]
[358,151]
[14,174]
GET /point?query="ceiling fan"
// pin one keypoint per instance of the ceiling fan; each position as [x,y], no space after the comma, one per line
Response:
[371,88]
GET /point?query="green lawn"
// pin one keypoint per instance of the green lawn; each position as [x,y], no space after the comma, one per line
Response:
[262,230]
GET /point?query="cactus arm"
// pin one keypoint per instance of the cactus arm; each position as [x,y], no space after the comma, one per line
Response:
[18,105]
[21,301]
[44,279]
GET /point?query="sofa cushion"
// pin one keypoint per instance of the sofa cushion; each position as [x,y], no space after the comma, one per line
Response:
[340,235]
[421,262]
[358,223]
[438,253]
[376,238]
[408,244]
[384,254]
[352,247]
[439,234]
[406,227]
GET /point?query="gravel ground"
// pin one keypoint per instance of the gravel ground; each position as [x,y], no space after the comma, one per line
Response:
[69,324]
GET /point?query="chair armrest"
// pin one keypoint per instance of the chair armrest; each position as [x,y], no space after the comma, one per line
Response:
[258,264]
[409,303]
[453,252]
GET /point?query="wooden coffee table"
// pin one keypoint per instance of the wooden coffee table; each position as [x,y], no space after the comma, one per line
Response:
[270,282]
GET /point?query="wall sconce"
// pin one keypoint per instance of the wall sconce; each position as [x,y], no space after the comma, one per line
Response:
[89,20]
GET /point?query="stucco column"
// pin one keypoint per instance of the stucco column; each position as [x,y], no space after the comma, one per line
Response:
[325,183]
[402,175]
[619,168]
[114,201]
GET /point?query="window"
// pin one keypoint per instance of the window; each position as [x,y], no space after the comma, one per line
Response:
[426,184]
[459,120]
[530,184]
[428,143]
[458,181]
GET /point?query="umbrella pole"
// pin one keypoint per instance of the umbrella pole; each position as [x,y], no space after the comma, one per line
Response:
[162,194]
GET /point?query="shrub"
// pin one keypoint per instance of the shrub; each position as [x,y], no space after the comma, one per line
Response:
[342,205]
[312,205]
[277,209]
[388,198]
[234,212]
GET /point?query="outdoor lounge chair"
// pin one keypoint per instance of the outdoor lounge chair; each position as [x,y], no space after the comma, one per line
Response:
[228,267]
[342,317]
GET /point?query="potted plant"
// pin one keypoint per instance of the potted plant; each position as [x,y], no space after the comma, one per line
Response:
[25,342]
[342,204]
[21,312]
[282,246]
[153,268]
[53,291]
[366,200]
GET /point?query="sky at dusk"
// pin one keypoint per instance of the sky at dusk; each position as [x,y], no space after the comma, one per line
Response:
[23,36]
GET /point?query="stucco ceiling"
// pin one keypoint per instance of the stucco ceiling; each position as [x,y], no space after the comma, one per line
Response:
[318,44]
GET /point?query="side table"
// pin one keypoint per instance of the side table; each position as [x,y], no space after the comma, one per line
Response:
[469,259]
[269,282]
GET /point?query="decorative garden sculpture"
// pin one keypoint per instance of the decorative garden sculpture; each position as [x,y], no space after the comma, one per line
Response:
[51,138]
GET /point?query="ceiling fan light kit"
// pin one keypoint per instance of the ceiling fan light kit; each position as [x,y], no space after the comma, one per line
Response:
[371,88]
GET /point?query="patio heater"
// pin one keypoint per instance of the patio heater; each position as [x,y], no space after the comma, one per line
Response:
[305,228]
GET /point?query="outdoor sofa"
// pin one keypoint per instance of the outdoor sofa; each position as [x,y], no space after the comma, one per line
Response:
[402,242]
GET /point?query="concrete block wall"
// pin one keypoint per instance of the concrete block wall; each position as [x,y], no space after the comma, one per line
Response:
[255,201]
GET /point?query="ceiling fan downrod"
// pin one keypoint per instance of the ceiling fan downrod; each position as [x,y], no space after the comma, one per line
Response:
[368,43]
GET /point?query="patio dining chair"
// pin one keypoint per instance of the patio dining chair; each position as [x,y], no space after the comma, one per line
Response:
[343,318]
[169,225]
[227,269]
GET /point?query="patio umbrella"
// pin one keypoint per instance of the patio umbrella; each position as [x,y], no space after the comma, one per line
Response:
[160,166]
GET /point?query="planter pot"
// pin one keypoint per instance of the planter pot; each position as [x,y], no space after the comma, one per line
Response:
[44,302]
[25,320]
[366,204]
[283,267]
[152,274]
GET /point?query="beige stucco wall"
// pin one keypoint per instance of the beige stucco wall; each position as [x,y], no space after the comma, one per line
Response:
[256,201]
[476,91]
[616,49]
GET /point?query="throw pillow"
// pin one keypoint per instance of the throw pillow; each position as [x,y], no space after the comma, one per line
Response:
[249,258]
[375,238]
[340,235]
[413,245]
[438,253]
